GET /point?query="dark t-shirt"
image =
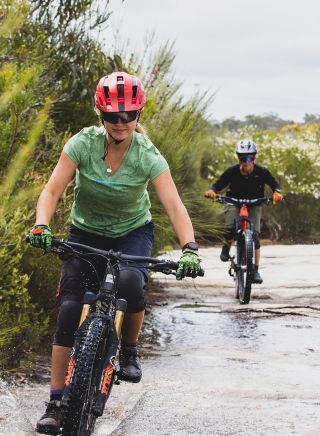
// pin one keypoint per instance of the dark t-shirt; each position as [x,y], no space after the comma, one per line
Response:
[251,186]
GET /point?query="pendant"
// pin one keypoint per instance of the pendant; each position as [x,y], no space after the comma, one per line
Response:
[109,170]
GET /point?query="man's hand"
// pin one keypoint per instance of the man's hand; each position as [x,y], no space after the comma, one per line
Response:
[277,196]
[40,236]
[211,194]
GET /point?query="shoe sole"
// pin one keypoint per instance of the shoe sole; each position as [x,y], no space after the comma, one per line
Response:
[130,380]
[224,259]
[47,430]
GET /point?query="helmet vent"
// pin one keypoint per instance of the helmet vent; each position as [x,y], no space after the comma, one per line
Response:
[134,88]
[106,91]
[120,90]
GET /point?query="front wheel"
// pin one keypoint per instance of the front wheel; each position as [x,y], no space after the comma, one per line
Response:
[245,265]
[79,417]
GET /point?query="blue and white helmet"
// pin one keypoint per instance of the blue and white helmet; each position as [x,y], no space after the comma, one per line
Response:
[246,146]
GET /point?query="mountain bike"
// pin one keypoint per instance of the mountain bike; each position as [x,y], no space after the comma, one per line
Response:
[242,264]
[94,365]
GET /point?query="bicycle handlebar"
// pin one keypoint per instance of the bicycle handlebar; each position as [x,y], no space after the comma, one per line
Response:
[60,246]
[239,201]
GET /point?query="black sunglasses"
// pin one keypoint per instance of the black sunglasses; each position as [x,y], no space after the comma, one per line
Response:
[125,117]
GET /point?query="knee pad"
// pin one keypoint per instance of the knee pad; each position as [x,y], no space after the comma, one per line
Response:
[67,323]
[131,287]
[256,238]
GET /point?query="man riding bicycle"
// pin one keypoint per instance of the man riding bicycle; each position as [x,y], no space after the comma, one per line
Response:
[245,180]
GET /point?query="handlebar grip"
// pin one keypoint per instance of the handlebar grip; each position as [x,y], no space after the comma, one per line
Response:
[175,265]
[27,239]
[201,273]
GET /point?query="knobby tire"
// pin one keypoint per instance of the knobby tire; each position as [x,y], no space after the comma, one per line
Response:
[245,252]
[78,419]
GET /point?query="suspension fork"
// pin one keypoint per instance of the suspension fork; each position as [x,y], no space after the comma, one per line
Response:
[121,307]
[73,359]
[88,300]
[109,365]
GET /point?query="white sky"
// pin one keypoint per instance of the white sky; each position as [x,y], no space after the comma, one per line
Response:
[257,56]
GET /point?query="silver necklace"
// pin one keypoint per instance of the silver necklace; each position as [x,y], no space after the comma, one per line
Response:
[109,169]
[104,158]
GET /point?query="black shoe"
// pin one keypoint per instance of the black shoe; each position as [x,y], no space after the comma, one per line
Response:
[224,255]
[257,277]
[130,367]
[50,422]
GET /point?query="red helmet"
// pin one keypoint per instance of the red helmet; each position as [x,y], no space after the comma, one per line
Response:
[119,92]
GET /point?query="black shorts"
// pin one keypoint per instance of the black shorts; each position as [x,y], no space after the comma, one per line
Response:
[78,276]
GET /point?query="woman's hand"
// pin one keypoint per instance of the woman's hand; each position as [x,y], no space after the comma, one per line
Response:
[40,236]
[189,264]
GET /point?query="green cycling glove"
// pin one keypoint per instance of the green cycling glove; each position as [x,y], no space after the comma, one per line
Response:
[189,264]
[40,236]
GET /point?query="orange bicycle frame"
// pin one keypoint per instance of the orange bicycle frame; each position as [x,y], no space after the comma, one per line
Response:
[243,214]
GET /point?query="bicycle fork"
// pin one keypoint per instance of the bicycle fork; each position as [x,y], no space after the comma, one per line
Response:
[109,371]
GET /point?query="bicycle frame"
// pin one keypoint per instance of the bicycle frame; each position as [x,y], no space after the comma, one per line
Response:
[93,367]
[111,310]
[244,220]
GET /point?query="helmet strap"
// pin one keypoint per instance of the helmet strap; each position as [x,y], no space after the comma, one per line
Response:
[114,140]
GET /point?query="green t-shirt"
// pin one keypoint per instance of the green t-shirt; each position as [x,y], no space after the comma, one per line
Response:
[112,205]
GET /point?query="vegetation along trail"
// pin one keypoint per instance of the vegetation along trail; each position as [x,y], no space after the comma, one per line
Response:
[212,366]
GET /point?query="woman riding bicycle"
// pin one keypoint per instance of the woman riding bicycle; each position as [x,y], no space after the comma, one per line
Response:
[245,180]
[111,210]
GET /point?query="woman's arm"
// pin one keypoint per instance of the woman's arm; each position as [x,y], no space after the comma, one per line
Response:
[53,190]
[175,209]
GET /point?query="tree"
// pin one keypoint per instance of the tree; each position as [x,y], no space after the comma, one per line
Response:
[292,154]
[20,321]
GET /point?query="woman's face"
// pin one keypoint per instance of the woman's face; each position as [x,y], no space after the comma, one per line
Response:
[120,125]
[120,131]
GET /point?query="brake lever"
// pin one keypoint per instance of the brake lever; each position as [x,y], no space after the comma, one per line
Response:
[168,271]
[65,252]
[161,267]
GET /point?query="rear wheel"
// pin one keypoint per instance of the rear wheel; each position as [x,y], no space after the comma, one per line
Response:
[79,417]
[245,265]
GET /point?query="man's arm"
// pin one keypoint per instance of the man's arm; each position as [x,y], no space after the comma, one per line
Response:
[271,181]
[223,181]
